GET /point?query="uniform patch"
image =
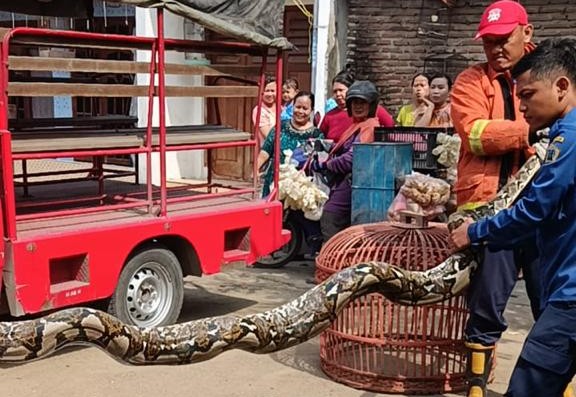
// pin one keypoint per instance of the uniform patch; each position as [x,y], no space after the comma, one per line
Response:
[559,139]
[552,153]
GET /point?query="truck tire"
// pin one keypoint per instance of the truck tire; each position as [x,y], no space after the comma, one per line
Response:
[150,289]
[287,252]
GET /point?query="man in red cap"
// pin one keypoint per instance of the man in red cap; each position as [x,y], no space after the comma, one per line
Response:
[495,143]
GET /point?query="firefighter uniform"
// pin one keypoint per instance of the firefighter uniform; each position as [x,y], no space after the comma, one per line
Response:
[485,113]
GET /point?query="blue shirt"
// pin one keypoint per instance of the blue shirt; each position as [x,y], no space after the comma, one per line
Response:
[548,211]
[287,112]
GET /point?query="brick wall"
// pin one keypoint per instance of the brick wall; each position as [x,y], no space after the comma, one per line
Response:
[391,40]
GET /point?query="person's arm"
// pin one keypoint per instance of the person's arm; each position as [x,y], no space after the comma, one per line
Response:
[263,157]
[266,149]
[423,113]
[471,113]
[542,200]
[342,164]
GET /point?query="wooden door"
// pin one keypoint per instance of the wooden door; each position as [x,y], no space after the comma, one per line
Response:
[297,63]
[235,163]
[236,112]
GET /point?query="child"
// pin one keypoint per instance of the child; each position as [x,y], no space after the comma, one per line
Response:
[546,87]
[289,91]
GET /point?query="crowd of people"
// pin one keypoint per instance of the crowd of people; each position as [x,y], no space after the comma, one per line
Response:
[498,108]
[342,126]
[353,119]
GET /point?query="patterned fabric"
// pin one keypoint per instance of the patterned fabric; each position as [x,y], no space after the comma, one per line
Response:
[290,138]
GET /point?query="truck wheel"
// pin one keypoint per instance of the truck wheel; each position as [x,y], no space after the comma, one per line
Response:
[150,289]
[286,253]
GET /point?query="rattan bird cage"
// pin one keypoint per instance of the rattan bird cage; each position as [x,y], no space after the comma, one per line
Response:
[384,347]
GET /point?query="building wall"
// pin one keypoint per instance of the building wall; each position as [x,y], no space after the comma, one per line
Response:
[389,40]
[179,110]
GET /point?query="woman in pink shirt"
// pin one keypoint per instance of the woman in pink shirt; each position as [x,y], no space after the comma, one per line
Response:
[337,120]
[268,109]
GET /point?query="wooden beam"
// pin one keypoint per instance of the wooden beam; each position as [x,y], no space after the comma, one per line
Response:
[224,91]
[125,90]
[127,67]
[171,44]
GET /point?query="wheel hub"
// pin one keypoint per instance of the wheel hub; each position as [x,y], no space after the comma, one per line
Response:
[146,295]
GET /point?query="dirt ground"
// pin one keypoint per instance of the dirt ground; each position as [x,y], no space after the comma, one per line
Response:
[89,372]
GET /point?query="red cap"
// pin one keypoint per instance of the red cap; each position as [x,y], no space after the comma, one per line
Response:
[501,18]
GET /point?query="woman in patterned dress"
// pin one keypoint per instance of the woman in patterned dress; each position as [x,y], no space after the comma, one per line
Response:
[294,133]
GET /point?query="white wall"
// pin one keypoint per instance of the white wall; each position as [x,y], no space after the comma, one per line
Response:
[179,111]
[322,18]
[329,51]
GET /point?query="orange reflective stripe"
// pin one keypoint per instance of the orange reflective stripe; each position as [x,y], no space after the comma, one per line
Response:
[475,136]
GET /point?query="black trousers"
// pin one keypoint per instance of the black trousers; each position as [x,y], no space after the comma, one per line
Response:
[331,223]
[491,286]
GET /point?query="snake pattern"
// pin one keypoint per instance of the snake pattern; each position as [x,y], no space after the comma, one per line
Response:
[276,329]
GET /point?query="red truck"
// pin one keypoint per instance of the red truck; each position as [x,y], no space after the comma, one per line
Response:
[74,236]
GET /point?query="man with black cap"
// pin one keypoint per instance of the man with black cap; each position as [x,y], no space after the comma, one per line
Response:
[495,143]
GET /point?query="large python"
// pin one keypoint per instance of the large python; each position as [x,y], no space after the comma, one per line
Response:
[276,329]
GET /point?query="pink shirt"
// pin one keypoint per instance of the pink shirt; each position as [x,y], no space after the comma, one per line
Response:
[336,121]
[267,116]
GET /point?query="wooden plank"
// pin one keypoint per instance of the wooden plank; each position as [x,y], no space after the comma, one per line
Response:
[220,91]
[128,67]
[124,90]
[192,139]
[145,44]
[77,142]
[95,121]
[78,90]
[45,141]
[76,43]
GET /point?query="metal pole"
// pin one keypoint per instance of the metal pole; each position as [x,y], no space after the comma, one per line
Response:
[279,64]
[162,111]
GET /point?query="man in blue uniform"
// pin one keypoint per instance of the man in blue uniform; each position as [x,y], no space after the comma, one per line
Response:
[546,87]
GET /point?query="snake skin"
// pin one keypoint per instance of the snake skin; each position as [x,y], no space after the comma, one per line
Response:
[276,329]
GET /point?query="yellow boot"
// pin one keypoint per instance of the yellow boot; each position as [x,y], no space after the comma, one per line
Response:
[569,392]
[478,367]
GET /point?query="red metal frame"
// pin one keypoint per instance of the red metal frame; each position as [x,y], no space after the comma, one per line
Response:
[207,225]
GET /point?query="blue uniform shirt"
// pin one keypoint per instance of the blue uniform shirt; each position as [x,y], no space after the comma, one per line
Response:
[548,211]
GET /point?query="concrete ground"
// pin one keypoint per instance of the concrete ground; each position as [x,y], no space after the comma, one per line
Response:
[88,372]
